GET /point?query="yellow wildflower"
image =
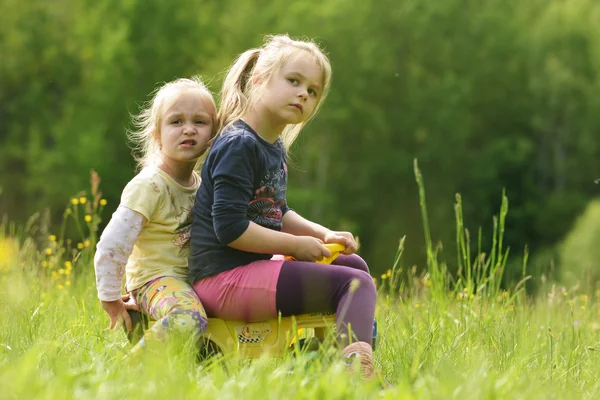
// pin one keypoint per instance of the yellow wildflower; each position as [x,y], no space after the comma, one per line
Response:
[583,307]
[565,294]
[88,218]
[384,276]
[61,271]
[68,265]
[86,243]
[389,273]
[48,251]
[44,264]
[82,200]
[584,298]
[60,287]
[52,238]
[80,246]
[74,201]
[103,202]
[68,283]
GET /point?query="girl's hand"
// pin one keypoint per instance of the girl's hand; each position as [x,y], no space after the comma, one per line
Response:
[345,238]
[310,249]
[117,311]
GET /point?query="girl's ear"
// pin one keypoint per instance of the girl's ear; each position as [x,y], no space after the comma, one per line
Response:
[156,136]
[257,79]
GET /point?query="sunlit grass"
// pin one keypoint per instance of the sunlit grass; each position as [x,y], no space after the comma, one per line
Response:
[439,338]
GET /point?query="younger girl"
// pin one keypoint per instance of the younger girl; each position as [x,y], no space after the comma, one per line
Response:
[148,235]
[241,216]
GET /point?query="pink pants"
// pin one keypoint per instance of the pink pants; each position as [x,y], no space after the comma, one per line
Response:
[245,293]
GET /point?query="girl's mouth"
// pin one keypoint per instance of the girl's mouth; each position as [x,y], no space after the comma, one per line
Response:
[188,142]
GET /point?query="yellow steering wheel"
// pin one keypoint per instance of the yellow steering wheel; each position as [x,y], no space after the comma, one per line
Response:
[334,248]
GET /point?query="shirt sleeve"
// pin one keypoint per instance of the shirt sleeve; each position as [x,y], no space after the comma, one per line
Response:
[113,250]
[233,172]
[143,195]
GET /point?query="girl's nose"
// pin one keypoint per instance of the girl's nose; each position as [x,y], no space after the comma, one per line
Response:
[189,129]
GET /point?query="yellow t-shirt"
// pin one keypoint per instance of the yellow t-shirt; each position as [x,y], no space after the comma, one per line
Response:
[162,248]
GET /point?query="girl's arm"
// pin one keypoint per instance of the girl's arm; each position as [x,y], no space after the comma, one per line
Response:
[234,163]
[295,224]
[113,250]
[258,239]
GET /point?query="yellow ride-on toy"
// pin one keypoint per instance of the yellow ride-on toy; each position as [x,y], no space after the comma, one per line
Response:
[253,339]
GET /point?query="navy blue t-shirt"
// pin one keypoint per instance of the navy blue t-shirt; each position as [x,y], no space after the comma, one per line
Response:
[244,179]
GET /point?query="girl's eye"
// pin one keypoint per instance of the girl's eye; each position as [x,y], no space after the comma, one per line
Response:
[200,122]
[312,92]
[176,121]
[293,81]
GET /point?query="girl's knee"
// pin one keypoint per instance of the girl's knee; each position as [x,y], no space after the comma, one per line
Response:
[364,282]
[188,320]
[353,261]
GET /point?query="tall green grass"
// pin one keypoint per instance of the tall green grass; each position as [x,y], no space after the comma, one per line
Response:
[440,337]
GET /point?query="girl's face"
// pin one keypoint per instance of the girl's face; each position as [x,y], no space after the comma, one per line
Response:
[290,97]
[186,127]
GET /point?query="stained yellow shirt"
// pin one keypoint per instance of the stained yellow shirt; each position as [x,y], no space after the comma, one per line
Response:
[162,247]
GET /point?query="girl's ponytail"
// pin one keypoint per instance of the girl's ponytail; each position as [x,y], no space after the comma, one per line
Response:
[235,91]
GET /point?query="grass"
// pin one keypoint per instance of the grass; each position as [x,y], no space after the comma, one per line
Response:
[440,337]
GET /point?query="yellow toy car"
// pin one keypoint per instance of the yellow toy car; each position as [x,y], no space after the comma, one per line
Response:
[253,339]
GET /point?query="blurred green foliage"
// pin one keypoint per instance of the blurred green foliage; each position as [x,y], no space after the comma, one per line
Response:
[485,94]
[580,253]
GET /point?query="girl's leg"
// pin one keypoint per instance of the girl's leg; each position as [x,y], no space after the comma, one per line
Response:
[245,293]
[175,307]
[305,287]
[353,261]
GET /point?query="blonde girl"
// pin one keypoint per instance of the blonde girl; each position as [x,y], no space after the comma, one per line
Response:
[241,215]
[147,238]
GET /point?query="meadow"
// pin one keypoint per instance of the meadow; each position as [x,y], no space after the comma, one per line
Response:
[469,335]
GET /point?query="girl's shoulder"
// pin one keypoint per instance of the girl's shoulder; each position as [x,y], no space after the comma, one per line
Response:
[240,134]
[237,131]
[149,178]
[237,138]
[146,175]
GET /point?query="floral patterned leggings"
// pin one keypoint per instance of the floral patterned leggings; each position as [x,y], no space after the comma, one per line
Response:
[175,307]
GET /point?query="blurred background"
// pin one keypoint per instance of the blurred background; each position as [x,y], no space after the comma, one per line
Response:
[487,95]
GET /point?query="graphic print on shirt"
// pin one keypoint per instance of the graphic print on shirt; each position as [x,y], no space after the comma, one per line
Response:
[183,232]
[184,228]
[265,208]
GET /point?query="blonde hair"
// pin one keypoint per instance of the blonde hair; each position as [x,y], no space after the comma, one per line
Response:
[239,93]
[145,136]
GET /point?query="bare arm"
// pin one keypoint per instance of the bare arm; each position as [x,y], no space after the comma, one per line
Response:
[258,239]
[295,224]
